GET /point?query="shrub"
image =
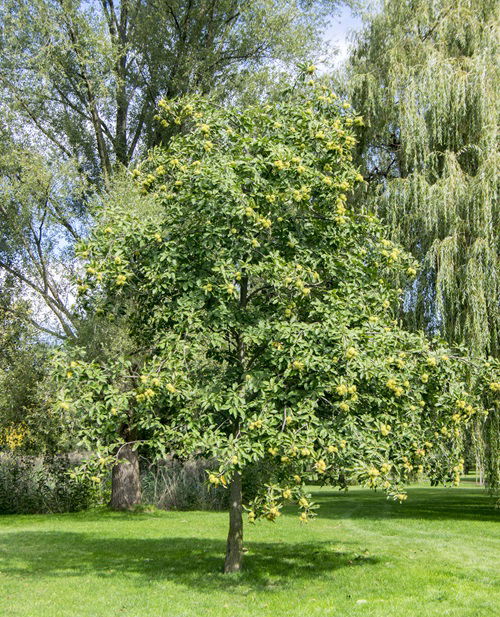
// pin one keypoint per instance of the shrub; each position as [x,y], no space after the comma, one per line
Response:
[36,485]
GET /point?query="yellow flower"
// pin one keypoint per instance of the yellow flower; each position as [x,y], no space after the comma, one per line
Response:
[351,353]
[342,389]
[424,378]
[373,472]
[311,68]
[303,517]
[171,388]
[298,365]
[305,452]
[287,493]
[411,271]
[332,449]
[344,406]
[303,503]
[385,468]
[320,466]
[327,180]
[385,429]
[297,479]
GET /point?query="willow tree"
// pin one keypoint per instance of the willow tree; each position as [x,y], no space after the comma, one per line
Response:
[424,75]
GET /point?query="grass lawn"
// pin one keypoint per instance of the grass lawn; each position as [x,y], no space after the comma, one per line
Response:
[437,554]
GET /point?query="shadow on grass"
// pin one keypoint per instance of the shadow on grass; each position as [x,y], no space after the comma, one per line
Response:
[468,504]
[187,561]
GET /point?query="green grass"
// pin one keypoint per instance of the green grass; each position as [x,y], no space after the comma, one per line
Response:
[437,554]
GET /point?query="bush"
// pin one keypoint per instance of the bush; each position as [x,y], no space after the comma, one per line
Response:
[171,484]
[37,485]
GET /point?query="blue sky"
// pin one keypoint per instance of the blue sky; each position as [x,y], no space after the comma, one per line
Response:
[340,30]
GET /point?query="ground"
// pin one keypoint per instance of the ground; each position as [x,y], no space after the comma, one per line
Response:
[437,554]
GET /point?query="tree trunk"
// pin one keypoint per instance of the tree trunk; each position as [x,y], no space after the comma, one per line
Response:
[126,480]
[234,550]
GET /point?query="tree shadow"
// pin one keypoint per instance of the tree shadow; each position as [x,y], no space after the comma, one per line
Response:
[468,504]
[188,561]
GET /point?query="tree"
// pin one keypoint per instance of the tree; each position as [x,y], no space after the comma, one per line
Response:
[86,77]
[267,312]
[26,420]
[424,78]
[41,216]
[424,75]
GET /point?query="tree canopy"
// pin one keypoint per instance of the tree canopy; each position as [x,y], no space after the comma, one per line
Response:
[424,75]
[86,77]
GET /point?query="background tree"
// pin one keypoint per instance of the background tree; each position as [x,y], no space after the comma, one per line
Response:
[267,310]
[41,217]
[424,75]
[86,77]
[27,422]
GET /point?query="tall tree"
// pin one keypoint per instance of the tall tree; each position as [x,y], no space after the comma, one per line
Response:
[86,77]
[41,216]
[424,74]
[425,77]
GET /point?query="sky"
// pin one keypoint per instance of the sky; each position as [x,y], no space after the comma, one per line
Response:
[340,31]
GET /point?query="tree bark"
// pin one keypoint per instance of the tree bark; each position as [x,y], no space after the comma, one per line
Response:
[126,480]
[234,550]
